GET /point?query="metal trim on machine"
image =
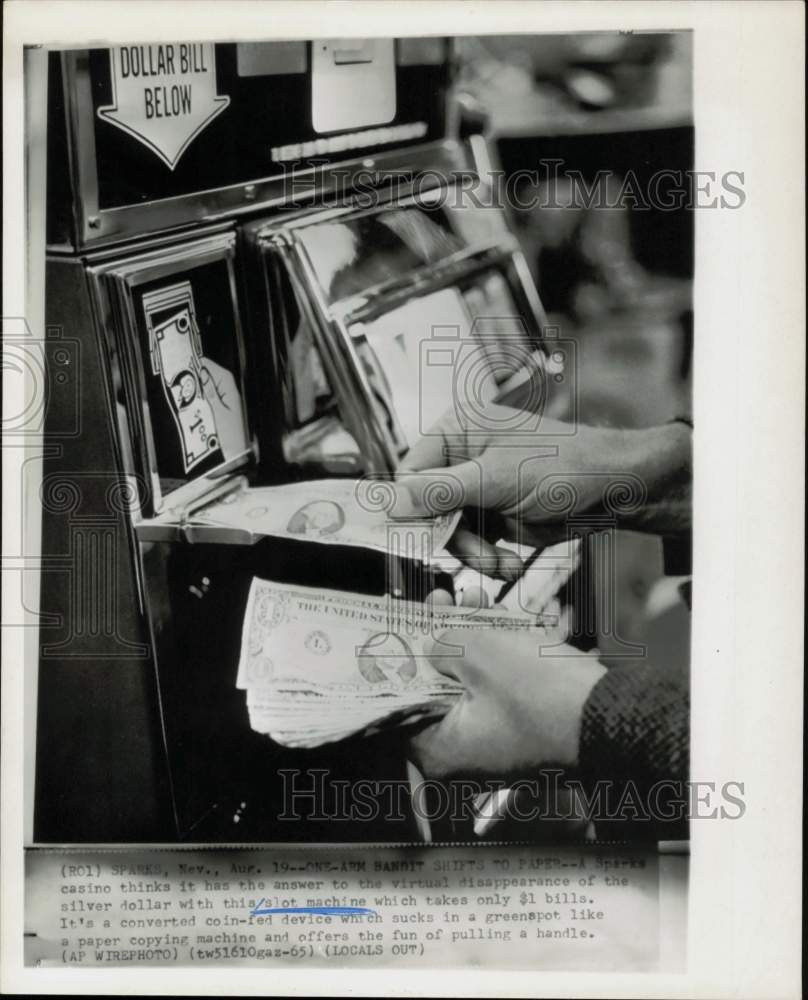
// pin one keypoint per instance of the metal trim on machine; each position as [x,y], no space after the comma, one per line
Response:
[100,227]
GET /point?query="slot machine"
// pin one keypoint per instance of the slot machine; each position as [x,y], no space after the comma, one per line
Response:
[261,268]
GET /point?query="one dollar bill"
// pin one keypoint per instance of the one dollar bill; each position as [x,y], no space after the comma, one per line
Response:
[332,512]
[319,665]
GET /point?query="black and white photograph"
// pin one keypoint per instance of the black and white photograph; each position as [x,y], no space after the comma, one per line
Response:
[357,492]
[366,497]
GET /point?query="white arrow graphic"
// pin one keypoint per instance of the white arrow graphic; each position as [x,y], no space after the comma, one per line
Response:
[164,95]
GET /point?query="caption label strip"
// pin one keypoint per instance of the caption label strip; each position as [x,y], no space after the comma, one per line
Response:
[504,907]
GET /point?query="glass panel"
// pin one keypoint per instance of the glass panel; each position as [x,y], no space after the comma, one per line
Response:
[314,436]
[481,223]
[352,255]
[497,324]
[308,390]
[312,390]
[459,343]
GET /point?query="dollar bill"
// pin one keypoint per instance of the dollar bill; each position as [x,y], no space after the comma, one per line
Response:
[331,511]
[321,665]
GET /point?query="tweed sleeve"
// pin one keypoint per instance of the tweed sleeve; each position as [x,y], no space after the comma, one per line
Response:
[636,726]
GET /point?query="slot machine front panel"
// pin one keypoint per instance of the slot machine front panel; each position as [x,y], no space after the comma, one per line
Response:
[248,335]
[406,305]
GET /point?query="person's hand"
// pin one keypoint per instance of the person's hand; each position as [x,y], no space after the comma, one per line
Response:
[221,392]
[521,710]
[533,472]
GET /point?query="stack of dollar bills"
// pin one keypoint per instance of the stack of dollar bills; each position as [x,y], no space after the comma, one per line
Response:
[322,665]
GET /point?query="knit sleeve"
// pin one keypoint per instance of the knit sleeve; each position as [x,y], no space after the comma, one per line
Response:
[635,733]
[636,725]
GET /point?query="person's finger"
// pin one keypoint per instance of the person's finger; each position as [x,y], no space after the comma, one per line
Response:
[431,449]
[487,523]
[509,565]
[437,491]
[474,596]
[446,653]
[428,452]
[479,554]
[206,383]
[439,749]
[537,536]
[470,655]
[474,551]
[439,598]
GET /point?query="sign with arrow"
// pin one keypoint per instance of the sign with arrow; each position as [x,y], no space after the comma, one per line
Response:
[164,95]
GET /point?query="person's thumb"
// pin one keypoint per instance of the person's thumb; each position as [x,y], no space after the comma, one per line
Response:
[437,491]
[445,652]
